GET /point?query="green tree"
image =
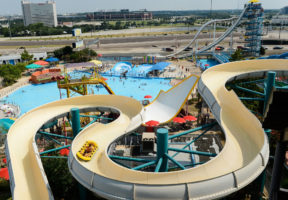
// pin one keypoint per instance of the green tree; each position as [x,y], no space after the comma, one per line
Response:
[262,51]
[118,25]
[63,185]
[25,56]
[11,73]
[63,53]
[237,55]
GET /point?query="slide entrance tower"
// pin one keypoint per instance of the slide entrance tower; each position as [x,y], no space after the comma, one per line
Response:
[254,25]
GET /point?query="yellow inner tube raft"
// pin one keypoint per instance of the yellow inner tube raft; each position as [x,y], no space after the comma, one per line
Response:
[87,150]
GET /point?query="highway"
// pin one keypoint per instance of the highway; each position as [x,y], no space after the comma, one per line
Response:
[116,40]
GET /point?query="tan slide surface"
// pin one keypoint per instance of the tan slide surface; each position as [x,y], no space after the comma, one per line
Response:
[244,136]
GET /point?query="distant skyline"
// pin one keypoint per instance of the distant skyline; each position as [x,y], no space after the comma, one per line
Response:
[12,7]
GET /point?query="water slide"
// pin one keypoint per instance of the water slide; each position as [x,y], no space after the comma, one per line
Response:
[226,34]
[242,159]
[220,39]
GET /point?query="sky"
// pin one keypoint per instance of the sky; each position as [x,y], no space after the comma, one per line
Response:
[9,7]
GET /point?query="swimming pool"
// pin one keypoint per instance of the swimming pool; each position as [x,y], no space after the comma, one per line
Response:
[206,63]
[33,96]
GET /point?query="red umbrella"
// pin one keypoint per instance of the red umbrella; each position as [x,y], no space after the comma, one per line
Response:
[4,173]
[41,62]
[190,118]
[4,160]
[152,123]
[99,55]
[105,79]
[64,152]
[206,65]
[147,96]
[179,120]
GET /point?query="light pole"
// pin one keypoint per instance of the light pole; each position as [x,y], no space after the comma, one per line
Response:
[9,27]
[211,3]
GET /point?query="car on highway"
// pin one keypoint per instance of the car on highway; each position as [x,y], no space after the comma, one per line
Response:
[219,48]
[168,49]
[275,48]
[188,49]
[154,45]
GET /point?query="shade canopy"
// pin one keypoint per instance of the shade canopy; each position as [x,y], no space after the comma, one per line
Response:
[179,120]
[33,66]
[5,124]
[41,62]
[190,118]
[4,173]
[64,152]
[96,62]
[52,59]
[152,123]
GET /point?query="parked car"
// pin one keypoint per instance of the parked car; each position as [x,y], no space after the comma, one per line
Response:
[277,48]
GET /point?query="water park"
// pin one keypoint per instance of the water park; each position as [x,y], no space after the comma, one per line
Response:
[150,128]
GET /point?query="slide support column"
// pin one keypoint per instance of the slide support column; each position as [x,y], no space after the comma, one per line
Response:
[162,148]
[76,126]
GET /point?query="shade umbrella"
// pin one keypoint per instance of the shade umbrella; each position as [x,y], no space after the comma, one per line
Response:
[4,173]
[52,59]
[4,160]
[179,120]
[147,96]
[64,152]
[206,65]
[152,123]
[33,66]
[41,62]
[96,62]
[190,118]
[104,79]
[99,55]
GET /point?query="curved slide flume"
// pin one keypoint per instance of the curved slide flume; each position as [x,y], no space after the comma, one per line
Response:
[226,34]
[220,39]
[198,33]
[242,159]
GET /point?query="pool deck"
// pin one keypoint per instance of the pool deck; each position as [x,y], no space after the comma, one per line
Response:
[20,83]
[14,114]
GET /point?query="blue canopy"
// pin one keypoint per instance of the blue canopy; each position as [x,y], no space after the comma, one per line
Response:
[5,124]
[52,59]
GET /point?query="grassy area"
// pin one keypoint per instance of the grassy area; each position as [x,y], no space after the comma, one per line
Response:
[114,35]
[31,46]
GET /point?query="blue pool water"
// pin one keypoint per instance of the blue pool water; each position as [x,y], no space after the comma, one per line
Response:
[32,96]
[208,62]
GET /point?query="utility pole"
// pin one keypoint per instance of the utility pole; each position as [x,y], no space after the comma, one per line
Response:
[9,27]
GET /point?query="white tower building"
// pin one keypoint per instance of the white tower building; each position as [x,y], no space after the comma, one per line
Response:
[39,13]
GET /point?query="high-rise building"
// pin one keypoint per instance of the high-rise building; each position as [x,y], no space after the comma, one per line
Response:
[39,13]
[284,11]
